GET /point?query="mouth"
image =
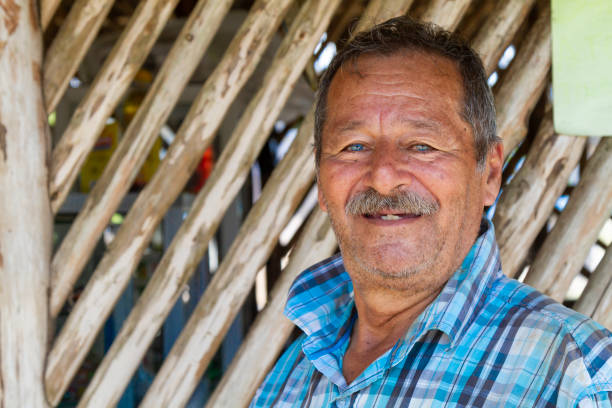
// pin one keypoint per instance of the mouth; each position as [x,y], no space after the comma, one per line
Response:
[391,217]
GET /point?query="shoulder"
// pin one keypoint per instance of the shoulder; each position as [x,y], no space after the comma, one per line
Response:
[575,345]
[292,367]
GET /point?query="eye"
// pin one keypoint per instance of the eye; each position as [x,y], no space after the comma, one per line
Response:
[355,147]
[422,148]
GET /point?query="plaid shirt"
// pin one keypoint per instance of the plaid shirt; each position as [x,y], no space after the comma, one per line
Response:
[486,341]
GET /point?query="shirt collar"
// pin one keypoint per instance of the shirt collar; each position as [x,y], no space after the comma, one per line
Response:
[321,303]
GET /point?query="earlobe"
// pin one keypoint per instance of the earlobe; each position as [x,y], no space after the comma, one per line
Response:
[495,161]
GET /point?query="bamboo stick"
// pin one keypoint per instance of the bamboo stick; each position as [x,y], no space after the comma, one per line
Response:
[378,11]
[565,248]
[603,309]
[527,201]
[114,270]
[70,45]
[446,13]
[254,243]
[595,297]
[271,329]
[524,82]
[120,172]
[25,216]
[47,10]
[499,29]
[226,180]
[110,85]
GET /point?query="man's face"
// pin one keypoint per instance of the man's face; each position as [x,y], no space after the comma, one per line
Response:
[394,125]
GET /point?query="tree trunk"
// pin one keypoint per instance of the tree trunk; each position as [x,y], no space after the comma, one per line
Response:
[25,214]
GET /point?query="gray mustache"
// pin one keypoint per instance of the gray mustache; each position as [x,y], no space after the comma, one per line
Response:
[371,201]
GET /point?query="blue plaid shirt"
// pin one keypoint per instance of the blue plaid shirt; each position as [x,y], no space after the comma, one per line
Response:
[486,341]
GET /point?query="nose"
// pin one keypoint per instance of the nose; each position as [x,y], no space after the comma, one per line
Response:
[387,172]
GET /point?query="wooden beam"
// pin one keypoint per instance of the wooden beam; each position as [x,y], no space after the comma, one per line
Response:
[595,299]
[524,82]
[231,283]
[70,45]
[271,329]
[114,270]
[378,11]
[109,86]
[47,11]
[256,239]
[526,203]
[497,33]
[446,13]
[119,173]
[563,252]
[602,310]
[25,215]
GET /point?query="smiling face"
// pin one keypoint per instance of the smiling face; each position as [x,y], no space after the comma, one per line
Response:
[394,128]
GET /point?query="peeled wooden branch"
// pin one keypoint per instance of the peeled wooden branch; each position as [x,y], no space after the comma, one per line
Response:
[114,270]
[232,281]
[25,216]
[528,199]
[110,85]
[381,10]
[271,329]
[446,13]
[47,10]
[597,294]
[602,312]
[493,38]
[102,202]
[70,45]
[565,248]
[524,82]
[257,237]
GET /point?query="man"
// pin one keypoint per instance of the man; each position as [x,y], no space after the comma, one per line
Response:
[416,311]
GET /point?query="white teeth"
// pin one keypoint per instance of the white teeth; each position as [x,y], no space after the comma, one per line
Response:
[390,217]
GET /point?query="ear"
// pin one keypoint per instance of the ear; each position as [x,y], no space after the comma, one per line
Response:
[493,174]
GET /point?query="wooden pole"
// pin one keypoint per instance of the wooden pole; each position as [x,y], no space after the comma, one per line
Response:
[563,252]
[114,270]
[524,82]
[271,329]
[103,200]
[47,10]
[108,88]
[602,312]
[446,13]
[595,298]
[232,281]
[498,31]
[527,201]
[378,11]
[251,248]
[25,215]
[67,50]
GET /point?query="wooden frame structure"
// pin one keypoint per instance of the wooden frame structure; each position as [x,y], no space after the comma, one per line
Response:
[36,371]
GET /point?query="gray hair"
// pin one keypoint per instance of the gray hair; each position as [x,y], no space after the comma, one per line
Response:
[404,34]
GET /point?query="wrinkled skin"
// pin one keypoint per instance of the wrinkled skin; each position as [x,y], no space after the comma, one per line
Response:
[394,124]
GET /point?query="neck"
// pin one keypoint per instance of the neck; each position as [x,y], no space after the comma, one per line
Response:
[384,316]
